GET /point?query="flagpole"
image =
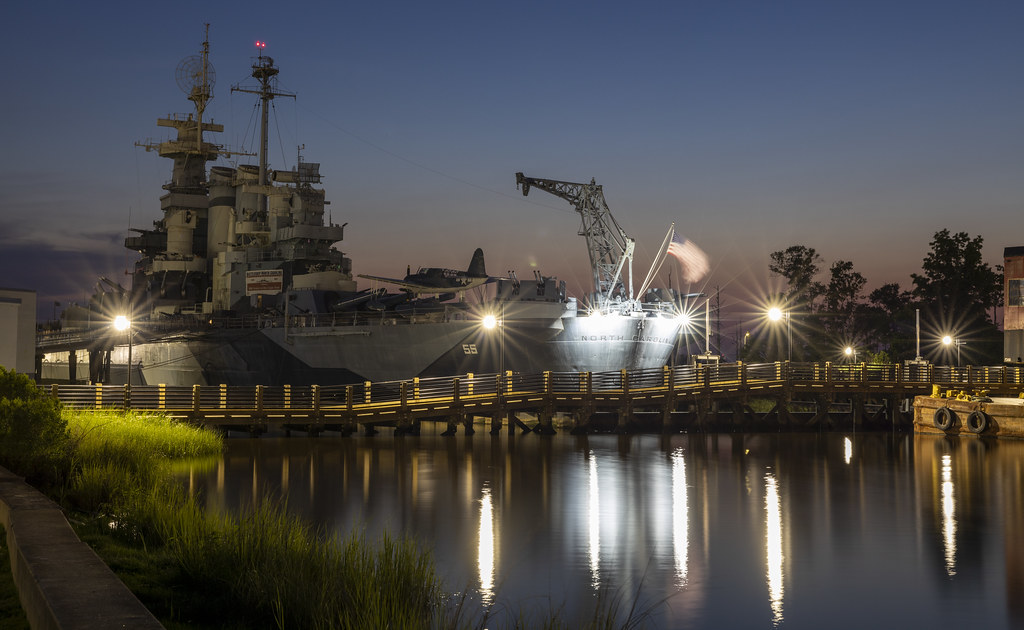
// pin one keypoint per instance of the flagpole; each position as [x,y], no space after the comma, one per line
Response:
[659,261]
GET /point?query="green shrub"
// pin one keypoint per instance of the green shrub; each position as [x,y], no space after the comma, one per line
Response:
[33,432]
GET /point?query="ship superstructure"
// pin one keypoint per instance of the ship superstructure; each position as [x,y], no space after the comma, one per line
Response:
[246,231]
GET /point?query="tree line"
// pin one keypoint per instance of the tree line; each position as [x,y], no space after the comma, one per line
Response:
[956,295]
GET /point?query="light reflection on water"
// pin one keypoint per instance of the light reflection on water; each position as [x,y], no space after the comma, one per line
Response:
[712,531]
[593,522]
[948,515]
[485,553]
[680,515]
[773,546]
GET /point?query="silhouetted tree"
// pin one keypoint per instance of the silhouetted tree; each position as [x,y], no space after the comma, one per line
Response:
[842,295]
[798,265]
[956,291]
[823,313]
[887,322]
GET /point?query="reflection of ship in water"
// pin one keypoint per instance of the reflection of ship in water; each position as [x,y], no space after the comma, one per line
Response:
[800,526]
[463,501]
[240,283]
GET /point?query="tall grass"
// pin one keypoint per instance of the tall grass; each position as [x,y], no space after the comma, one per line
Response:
[262,568]
[288,573]
[137,436]
[116,454]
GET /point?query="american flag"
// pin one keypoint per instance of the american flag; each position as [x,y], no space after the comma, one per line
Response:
[694,261]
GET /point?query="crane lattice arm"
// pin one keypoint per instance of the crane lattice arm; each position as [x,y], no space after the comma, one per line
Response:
[609,247]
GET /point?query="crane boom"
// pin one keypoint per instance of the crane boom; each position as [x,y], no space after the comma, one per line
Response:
[609,246]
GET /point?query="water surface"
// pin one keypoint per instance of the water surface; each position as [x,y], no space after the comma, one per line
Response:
[703,531]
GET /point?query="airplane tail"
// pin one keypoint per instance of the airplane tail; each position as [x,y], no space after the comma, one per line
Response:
[476,266]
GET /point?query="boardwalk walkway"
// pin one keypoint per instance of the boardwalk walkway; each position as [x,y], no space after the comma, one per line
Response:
[684,397]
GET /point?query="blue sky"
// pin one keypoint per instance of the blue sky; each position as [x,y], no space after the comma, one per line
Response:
[857,128]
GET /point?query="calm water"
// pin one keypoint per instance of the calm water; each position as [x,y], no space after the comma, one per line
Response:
[712,531]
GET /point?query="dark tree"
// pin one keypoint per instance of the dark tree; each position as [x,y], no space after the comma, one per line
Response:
[824,315]
[956,277]
[957,290]
[955,293]
[888,322]
[890,299]
[842,295]
[798,265]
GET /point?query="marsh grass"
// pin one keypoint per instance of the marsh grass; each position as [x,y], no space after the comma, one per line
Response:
[283,570]
[262,568]
[115,455]
[137,436]
[611,609]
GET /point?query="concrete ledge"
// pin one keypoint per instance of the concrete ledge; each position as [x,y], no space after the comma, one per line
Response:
[62,583]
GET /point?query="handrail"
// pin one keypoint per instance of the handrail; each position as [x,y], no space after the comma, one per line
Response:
[685,379]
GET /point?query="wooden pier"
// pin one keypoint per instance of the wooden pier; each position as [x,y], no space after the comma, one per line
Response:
[791,396]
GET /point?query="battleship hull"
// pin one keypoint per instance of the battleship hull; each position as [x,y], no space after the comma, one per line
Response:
[330,355]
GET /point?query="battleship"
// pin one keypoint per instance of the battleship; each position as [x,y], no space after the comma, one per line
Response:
[240,282]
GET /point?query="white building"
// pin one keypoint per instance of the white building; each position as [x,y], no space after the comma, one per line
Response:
[18,330]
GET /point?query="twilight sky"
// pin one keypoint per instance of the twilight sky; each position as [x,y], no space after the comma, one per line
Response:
[857,128]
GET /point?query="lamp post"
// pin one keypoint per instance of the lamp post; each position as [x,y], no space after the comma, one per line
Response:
[684,319]
[947,340]
[684,329]
[122,323]
[775,314]
[491,322]
[850,352]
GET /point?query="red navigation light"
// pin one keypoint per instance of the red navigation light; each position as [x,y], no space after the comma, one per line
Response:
[260,44]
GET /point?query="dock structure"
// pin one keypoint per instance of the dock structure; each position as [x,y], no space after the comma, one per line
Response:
[950,413]
[790,396]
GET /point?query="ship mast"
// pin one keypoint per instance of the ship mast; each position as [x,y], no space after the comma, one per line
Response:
[609,246]
[264,71]
[195,76]
[202,91]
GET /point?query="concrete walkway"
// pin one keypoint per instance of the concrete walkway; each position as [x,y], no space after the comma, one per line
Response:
[62,583]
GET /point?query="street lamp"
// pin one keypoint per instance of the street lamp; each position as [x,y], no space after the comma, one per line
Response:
[850,352]
[684,320]
[775,314]
[684,317]
[947,340]
[490,322]
[122,323]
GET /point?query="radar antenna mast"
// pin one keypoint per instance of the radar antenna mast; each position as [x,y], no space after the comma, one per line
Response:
[196,77]
[610,248]
[264,71]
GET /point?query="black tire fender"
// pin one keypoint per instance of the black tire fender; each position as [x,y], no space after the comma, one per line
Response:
[944,418]
[977,421]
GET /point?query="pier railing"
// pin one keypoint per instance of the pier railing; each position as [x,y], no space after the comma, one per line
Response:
[654,386]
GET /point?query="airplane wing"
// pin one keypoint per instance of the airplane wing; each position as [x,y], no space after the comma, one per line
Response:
[464,284]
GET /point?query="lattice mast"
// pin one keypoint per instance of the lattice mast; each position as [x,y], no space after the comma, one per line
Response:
[610,248]
[196,77]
